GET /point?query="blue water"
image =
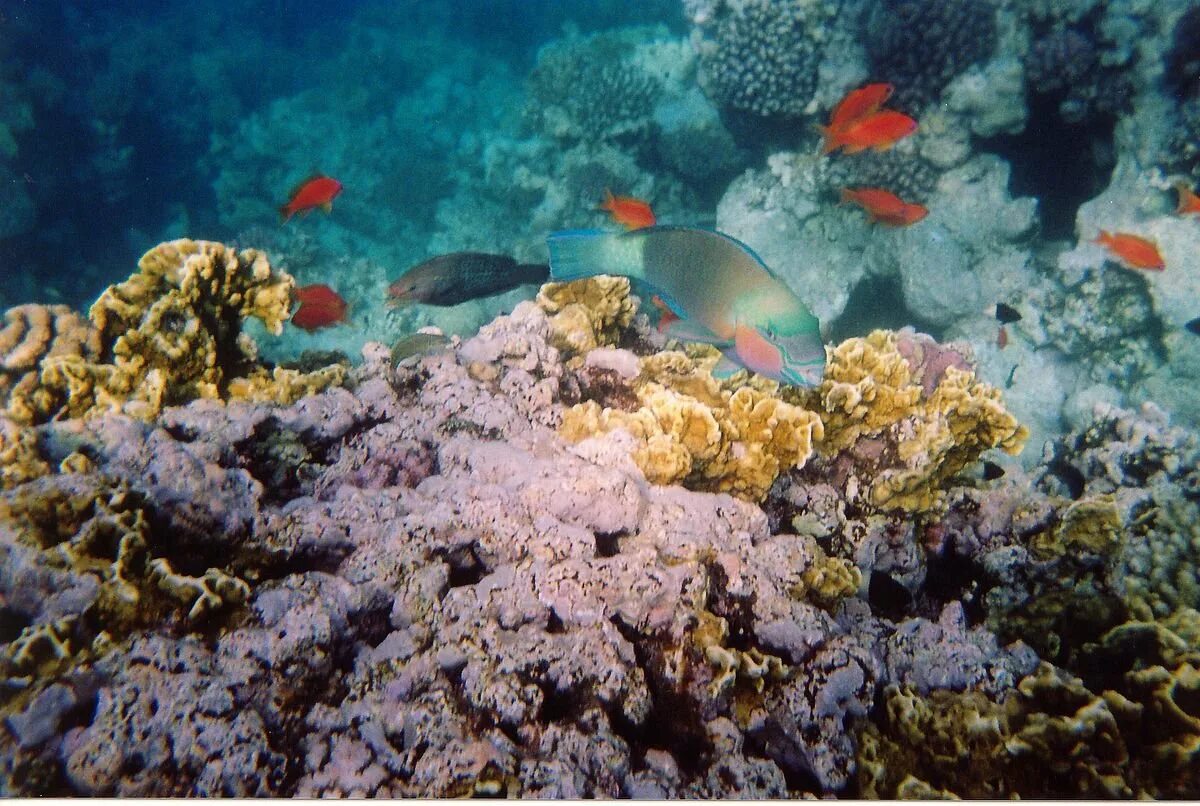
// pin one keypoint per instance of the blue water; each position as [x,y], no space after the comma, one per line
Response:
[122,113]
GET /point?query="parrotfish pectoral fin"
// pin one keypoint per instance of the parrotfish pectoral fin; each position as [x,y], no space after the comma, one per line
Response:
[689,330]
[726,367]
[579,253]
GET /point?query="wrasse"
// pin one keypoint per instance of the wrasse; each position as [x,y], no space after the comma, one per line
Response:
[885,207]
[319,191]
[1132,250]
[721,292]
[858,103]
[461,276]
[320,306]
[628,211]
[1189,202]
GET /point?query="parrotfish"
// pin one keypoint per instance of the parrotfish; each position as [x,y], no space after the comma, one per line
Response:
[626,210]
[317,191]
[721,292]
[320,306]
[461,276]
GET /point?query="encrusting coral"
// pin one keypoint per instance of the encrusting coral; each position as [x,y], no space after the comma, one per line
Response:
[169,334]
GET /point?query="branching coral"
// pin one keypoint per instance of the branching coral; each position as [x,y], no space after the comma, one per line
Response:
[170,333]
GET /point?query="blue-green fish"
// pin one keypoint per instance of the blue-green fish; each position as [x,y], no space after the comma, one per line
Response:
[721,291]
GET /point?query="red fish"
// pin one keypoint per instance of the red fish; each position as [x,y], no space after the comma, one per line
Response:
[320,306]
[1133,251]
[1189,202]
[859,103]
[319,191]
[879,130]
[1002,338]
[633,213]
[885,207]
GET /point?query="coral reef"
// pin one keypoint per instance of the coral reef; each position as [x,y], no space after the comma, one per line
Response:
[415,587]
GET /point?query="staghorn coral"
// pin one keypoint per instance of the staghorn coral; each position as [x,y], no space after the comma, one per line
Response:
[170,333]
[911,415]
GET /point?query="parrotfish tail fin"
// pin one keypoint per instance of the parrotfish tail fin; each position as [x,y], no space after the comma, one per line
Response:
[579,253]
[532,272]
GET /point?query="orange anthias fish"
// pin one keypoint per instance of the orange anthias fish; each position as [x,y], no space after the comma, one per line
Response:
[319,191]
[320,306]
[1133,251]
[885,207]
[879,130]
[1189,202]
[633,213]
[858,103]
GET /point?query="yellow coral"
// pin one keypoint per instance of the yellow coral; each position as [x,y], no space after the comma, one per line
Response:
[738,444]
[828,580]
[20,459]
[1089,526]
[869,391]
[169,334]
[586,314]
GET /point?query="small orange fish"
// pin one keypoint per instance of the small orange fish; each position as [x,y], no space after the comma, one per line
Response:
[319,191]
[320,306]
[1189,202]
[633,213]
[1133,251]
[879,130]
[1002,338]
[859,103]
[885,207]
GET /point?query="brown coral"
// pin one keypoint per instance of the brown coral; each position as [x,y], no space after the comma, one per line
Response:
[32,333]
[585,314]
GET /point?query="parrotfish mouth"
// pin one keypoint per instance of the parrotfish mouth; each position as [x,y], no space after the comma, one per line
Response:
[805,375]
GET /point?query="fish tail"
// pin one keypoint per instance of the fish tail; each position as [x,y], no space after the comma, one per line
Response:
[579,253]
[533,272]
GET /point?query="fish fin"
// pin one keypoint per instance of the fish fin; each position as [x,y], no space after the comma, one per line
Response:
[327,207]
[688,330]
[726,367]
[579,253]
[285,214]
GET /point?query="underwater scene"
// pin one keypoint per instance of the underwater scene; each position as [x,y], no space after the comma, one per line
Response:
[600,399]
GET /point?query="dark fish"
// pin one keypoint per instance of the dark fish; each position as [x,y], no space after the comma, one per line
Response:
[461,276]
[1193,326]
[992,471]
[1007,314]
